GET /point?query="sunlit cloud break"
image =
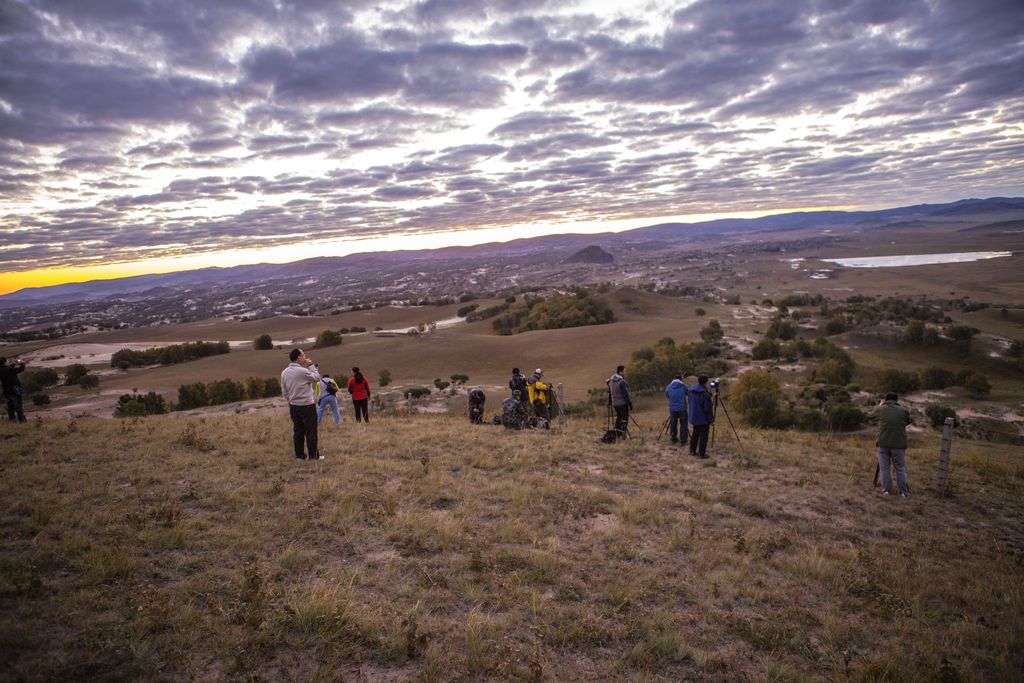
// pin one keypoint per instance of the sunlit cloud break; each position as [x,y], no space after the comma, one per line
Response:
[167,135]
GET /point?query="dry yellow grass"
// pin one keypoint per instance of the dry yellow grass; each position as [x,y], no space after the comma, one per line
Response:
[426,549]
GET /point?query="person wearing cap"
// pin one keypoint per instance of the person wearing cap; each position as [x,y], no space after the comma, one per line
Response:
[891,445]
[702,416]
[298,382]
[513,412]
[538,394]
[518,383]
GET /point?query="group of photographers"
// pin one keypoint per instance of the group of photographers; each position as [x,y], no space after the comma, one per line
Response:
[530,401]
[309,394]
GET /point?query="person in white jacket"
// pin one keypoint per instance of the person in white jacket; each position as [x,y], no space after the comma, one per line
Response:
[297,384]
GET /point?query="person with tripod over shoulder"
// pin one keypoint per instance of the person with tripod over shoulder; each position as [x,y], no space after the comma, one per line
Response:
[702,416]
[618,396]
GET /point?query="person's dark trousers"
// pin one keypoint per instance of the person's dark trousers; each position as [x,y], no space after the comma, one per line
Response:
[361,407]
[622,418]
[677,426]
[15,407]
[699,440]
[304,429]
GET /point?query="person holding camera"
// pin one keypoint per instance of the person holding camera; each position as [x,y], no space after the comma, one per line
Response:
[891,446]
[328,399]
[622,403]
[298,382]
[702,416]
[12,388]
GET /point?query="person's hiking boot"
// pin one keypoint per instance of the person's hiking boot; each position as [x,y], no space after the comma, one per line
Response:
[904,495]
[300,457]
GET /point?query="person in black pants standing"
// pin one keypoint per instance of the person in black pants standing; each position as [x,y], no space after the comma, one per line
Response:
[359,387]
[702,415]
[297,383]
[12,389]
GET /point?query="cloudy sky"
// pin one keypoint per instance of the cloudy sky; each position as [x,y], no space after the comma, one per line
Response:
[229,131]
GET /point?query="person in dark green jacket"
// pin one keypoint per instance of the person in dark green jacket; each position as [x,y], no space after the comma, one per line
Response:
[891,446]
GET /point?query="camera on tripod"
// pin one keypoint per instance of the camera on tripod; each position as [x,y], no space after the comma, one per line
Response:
[714,384]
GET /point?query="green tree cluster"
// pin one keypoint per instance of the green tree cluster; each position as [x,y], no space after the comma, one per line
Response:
[219,392]
[263,343]
[168,355]
[653,367]
[555,312]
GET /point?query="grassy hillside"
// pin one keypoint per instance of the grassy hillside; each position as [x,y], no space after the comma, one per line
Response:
[425,549]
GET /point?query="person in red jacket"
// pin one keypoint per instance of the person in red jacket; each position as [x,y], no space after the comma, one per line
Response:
[359,387]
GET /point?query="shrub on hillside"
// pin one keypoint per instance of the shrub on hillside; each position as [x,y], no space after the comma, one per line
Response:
[459,378]
[416,392]
[192,396]
[835,325]
[75,372]
[466,310]
[914,332]
[935,377]
[961,336]
[383,378]
[977,385]
[41,400]
[33,381]
[781,329]
[937,414]
[89,381]
[139,405]
[263,343]
[271,387]
[712,332]
[327,338]
[845,417]
[757,397]
[900,381]
[833,371]
[765,349]
[441,384]
[254,387]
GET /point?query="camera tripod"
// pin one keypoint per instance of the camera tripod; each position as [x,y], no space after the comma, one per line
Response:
[714,412]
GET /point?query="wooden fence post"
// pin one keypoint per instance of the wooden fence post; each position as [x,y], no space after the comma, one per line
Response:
[561,406]
[947,443]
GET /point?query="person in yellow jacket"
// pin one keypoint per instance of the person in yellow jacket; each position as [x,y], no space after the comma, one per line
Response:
[538,392]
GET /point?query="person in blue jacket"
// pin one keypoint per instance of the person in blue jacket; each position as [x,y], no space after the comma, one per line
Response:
[702,416]
[676,392]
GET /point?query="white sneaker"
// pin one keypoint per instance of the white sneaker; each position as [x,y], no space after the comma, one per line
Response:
[885,493]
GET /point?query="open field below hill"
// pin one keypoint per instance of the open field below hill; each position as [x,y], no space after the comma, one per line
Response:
[426,549]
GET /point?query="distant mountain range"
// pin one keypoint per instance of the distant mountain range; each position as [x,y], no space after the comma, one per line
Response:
[667,232]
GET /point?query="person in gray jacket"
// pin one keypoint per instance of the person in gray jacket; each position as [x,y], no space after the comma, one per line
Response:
[297,383]
[618,394]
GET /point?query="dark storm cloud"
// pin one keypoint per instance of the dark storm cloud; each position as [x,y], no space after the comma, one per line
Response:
[345,117]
